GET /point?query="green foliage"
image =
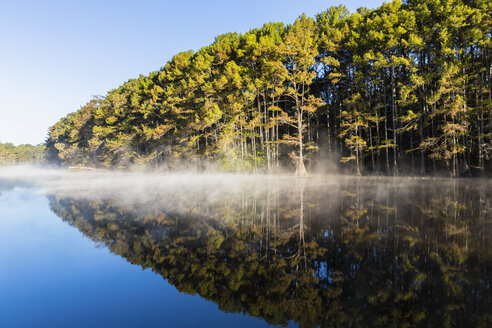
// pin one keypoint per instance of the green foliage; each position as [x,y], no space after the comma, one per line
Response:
[406,82]
[11,155]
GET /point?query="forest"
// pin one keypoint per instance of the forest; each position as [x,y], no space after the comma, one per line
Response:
[403,89]
[11,154]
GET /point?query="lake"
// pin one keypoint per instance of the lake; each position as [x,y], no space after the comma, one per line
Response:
[96,249]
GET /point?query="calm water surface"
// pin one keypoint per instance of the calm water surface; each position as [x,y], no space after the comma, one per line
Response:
[228,251]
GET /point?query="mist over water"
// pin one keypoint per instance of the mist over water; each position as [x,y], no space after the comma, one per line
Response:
[148,187]
[155,189]
[316,251]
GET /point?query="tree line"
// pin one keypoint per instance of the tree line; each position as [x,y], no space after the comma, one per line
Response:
[403,88]
[11,154]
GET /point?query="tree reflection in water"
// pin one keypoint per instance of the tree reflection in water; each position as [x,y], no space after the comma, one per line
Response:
[355,252]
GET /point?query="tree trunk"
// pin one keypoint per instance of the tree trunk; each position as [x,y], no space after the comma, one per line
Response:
[393,109]
[386,132]
[301,168]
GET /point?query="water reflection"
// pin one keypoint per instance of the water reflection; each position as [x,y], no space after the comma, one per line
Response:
[351,252]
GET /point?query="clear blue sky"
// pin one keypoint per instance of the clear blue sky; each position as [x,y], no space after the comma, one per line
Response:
[55,55]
